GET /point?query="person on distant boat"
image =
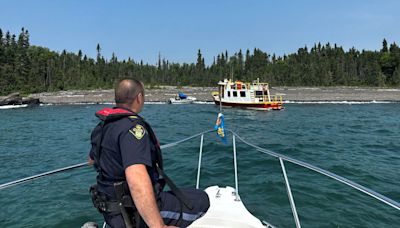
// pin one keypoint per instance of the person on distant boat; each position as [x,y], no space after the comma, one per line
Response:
[130,180]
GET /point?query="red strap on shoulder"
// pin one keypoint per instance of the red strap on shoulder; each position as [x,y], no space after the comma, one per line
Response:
[112,111]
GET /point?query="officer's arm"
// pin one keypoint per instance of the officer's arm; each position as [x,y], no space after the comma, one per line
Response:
[143,195]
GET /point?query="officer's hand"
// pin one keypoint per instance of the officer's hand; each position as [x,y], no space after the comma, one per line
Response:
[90,161]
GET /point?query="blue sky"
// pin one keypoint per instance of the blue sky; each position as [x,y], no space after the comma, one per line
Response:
[177,29]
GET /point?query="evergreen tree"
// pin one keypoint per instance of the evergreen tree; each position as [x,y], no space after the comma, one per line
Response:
[98,49]
[240,60]
[200,62]
[396,77]
[2,46]
[384,46]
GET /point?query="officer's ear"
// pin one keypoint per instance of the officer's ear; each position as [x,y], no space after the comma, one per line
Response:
[140,97]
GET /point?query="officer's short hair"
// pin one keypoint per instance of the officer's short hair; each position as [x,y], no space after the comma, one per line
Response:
[126,90]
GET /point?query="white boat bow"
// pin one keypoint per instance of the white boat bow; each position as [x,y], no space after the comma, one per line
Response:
[226,210]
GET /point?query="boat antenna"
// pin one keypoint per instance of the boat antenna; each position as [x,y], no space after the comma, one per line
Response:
[232,73]
[220,99]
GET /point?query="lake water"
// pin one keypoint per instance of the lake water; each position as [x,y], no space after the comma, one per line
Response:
[360,142]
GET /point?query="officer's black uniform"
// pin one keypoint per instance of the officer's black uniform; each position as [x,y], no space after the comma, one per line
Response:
[127,141]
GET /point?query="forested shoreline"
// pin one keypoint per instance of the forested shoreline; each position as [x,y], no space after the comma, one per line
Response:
[30,69]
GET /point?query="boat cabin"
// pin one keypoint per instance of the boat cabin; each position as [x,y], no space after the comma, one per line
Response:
[255,94]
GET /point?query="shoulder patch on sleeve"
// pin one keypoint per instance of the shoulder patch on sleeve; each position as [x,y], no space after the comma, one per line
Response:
[138,131]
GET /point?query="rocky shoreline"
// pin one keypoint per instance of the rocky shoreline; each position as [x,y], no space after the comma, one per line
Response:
[203,94]
[17,99]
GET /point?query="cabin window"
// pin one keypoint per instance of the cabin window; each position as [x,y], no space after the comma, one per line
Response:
[242,94]
[235,93]
[259,93]
[265,93]
[229,93]
[232,86]
[243,86]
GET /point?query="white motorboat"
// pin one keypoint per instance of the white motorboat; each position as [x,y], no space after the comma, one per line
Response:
[181,98]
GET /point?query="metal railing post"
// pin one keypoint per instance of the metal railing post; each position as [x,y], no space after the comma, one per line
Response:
[235,164]
[292,205]
[200,156]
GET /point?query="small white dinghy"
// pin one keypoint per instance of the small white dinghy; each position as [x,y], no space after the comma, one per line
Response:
[181,98]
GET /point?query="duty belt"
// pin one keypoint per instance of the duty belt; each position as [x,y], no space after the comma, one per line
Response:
[106,205]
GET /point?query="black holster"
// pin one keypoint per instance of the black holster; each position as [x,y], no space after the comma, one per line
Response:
[124,201]
[102,202]
[122,205]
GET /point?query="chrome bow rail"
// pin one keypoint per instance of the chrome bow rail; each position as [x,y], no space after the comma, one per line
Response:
[280,157]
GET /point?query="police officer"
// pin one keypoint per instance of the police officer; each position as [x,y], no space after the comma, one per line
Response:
[126,153]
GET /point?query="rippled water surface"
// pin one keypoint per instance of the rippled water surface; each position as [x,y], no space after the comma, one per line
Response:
[360,142]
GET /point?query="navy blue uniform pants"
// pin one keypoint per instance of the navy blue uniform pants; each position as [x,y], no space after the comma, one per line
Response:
[172,211]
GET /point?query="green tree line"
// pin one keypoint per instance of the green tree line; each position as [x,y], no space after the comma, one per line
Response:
[28,69]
